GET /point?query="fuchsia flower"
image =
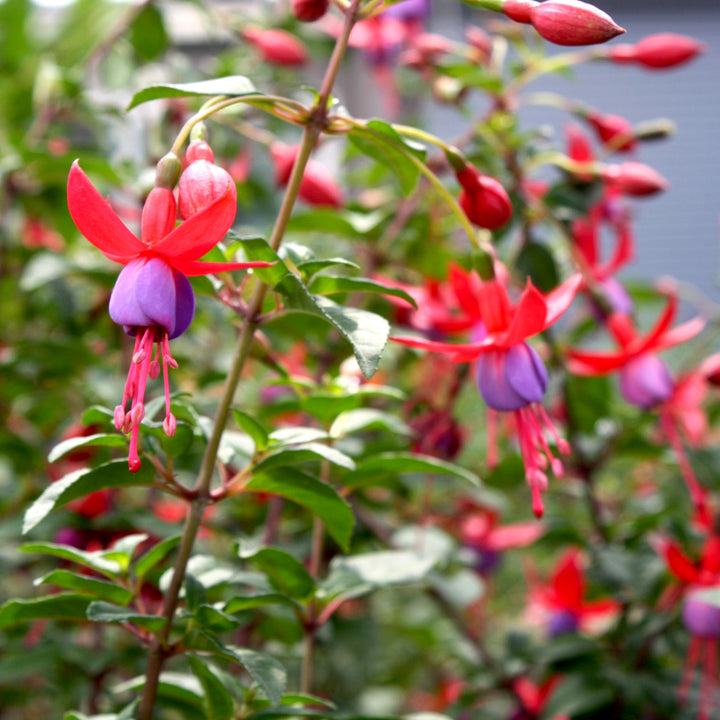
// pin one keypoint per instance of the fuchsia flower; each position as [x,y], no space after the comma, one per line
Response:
[534,697]
[152,298]
[480,530]
[561,604]
[483,199]
[700,617]
[510,374]
[645,380]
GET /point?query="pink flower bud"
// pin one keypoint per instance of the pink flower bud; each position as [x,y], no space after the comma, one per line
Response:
[202,182]
[170,424]
[309,10]
[565,22]
[158,215]
[317,186]
[660,51]
[119,417]
[483,199]
[634,178]
[276,46]
[480,41]
[609,127]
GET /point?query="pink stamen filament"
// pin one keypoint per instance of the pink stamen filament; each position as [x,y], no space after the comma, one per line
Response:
[152,348]
[693,658]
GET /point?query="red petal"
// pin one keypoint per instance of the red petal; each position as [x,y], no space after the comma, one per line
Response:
[97,221]
[201,232]
[515,535]
[568,580]
[624,251]
[559,300]
[459,352]
[594,363]
[681,333]
[466,291]
[678,563]
[650,341]
[191,268]
[529,318]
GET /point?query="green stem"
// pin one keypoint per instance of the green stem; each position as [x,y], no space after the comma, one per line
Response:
[159,649]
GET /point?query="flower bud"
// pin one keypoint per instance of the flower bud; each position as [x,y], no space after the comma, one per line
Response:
[202,182]
[478,39]
[564,22]
[658,52]
[483,199]
[276,46]
[309,10]
[610,127]
[634,178]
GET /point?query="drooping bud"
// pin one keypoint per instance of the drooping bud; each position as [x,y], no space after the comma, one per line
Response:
[202,182]
[483,199]
[168,171]
[317,186]
[634,178]
[657,52]
[478,39]
[564,22]
[309,10]
[612,127]
[276,46]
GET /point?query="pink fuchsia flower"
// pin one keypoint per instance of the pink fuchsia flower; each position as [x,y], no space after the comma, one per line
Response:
[480,530]
[646,381]
[700,617]
[658,52]
[510,374]
[152,298]
[202,181]
[564,22]
[561,604]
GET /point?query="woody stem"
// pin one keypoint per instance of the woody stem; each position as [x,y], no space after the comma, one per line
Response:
[159,649]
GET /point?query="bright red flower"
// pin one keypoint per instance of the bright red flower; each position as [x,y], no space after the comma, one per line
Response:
[510,374]
[561,603]
[152,297]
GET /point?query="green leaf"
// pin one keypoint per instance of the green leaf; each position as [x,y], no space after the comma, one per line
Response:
[210,618]
[286,574]
[265,670]
[95,560]
[82,583]
[155,555]
[231,86]
[82,482]
[252,427]
[397,463]
[319,498]
[124,549]
[578,694]
[104,612]
[329,284]
[219,703]
[387,567]
[346,223]
[147,33]
[366,331]
[353,421]
[379,141]
[174,686]
[64,606]
[98,440]
[194,592]
[249,602]
[310,267]
[97,415]
[538,263]
[296,436]
[303,453]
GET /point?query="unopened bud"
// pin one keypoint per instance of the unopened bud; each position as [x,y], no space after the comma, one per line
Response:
[119,417]
[658,52]
[483,199]
[276,46]
[564,22]
[634,178]
[309,10]
[612,127]
[201,184]
[199,150]
[168,171]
